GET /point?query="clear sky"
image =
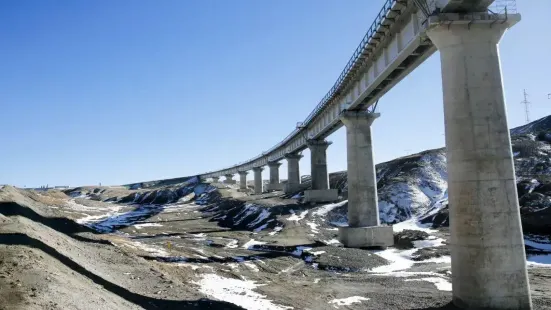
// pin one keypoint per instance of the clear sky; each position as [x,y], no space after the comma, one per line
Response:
[126,91]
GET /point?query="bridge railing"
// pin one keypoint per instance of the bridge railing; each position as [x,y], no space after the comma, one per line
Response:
[503,7]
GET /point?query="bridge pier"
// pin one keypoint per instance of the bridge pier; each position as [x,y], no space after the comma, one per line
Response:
[229,179]
[364,228]
[258,180]
[293,173]
[320,191]
[215,179]
[242,181]
[487,245]
[274,184]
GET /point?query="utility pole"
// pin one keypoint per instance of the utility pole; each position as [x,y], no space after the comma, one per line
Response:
[526,107]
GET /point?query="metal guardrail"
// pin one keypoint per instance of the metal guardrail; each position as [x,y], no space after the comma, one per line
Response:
[503,7]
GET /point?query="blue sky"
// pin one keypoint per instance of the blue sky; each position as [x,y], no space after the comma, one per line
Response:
[125,91]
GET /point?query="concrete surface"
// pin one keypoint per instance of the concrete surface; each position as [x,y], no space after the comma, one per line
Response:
[274,177]
[258,180]
[293,172]
[274,187]
[318,164]
[321,195]
[487,246]
[366,237]
[363,208]
[229,179]
[243,180]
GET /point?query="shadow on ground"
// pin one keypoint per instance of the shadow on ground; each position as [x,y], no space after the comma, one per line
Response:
[62,225]
[143,301]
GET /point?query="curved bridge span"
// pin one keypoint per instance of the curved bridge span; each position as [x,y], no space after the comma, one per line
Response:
[487,245]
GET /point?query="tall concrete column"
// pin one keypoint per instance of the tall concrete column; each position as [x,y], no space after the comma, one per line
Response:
[229,179]
[487,246]
[318,163]
[363,207]
[258,180]
[320,191]
[274,176]
[293,172]
[243,181]
[215,179]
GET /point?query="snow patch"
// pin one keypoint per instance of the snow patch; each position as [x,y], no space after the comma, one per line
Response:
[323,210]
[296,217]
[332,241]
[251,243]
[238,292]
[440,283]
[232,244]
[263,215]
[276,230]
[347,301]
[313,227]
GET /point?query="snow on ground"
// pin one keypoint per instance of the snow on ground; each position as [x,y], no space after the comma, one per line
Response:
[298,250]
[232,244]
[276,230]
[399,260]
[429,243]
[261,228]
[248,210]
[313,227]
[323,210]
[412,224]
[296,217]
[140,226]
[238,292]
[251,243]
[332,241]
[440,283]
[347,301]
[264,214]
[252,266]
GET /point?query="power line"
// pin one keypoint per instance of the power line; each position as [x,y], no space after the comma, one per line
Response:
[526,107]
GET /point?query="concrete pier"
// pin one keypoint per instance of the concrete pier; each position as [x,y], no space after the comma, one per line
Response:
[258,180]
[487,246]
[320,191]
[364,228]
[215,179]
[242,181]
[293,172]
[229,179]
[274,184]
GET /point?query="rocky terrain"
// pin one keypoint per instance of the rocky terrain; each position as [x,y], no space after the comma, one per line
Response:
[187,244]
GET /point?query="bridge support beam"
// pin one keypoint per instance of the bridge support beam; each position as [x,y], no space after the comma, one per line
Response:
[364,228]
[229,179]
[293,173]
[243,181]
[487,246]
[215,179]
[258,180]
[274,184]
[320,191]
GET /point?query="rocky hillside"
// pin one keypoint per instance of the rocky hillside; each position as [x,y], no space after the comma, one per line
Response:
[408,187]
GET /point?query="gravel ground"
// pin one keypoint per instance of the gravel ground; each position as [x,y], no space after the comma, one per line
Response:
[180,257]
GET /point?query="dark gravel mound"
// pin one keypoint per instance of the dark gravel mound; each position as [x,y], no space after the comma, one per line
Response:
[405,238]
